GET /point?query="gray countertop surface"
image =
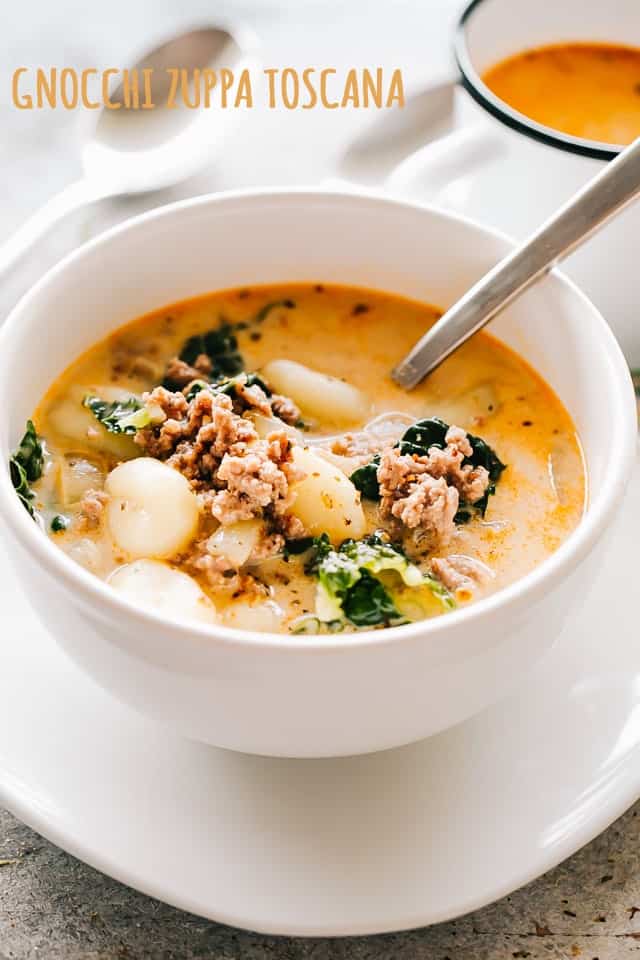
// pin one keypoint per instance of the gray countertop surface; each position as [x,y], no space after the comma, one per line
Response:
[51,905]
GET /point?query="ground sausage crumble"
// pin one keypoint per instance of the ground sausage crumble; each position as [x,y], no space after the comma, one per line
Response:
[424,492]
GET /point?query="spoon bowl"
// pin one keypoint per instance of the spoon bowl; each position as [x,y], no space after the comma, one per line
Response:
[131,151]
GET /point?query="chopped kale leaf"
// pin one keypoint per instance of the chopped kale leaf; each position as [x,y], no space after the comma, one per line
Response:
[349,585]
[228,385]
[194,388]
[120,416]
[368,604]
[294,548]
[251,380]
[365,479]
[424,434]
[220,345]
[26,466]
[483,456]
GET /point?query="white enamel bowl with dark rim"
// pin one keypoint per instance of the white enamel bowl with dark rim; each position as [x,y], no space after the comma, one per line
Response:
[511,172]
[304,695]
[546,165]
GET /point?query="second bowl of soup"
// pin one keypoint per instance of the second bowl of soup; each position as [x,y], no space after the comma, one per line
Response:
[562,80]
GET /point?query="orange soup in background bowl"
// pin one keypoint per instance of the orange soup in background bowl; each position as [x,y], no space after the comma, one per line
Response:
[588,90]
[563,79]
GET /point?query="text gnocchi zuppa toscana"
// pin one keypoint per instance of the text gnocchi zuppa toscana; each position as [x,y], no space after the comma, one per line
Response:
[245,459]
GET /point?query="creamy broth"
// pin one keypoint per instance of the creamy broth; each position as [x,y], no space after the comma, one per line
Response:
[589,90]
[354,335]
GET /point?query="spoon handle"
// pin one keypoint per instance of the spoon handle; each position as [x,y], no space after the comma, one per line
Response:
[599,200]
[73,197]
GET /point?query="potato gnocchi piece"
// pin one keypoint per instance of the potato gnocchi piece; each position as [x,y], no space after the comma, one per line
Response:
[75,422]
[171,593]
[236,541]
[317,394]
[265,617]
[326,501]
[152,511]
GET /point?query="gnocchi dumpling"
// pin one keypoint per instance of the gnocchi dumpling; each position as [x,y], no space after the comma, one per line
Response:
[75,422]
[317,394]
[152,511]
[265,617]
[326,501]
[171,593]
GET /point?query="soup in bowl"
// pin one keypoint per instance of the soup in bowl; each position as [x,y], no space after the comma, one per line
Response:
[588,90]
[243,528]
[245,459]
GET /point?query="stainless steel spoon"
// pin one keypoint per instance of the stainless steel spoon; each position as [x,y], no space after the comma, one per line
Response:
[129,151]
[594,205]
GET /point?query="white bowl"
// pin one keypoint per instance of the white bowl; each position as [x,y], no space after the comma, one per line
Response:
[303,695]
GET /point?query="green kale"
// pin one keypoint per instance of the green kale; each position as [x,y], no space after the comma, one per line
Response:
[194,388]
[294,548]
[228,385]
[250,380]
[349,586]
[120,416]
[423,434]
[220,345]
[376,555]
[368,604]
[59,523]
[365,479]
[483,456]
[26,466]
[417,440]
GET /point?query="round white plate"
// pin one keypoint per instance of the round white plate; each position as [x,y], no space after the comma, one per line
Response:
[319,847]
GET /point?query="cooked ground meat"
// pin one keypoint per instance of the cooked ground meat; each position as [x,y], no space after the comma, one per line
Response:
[382,432]
[92,509]
[237,475]
[423,503]
[254,397]
[269,545]
[424,492]
[182,374]
[217,572]
[361,446]
[195,435]
[460,574]
[220,574]
[470,482]
[251,397]
[285,409]
[256,482]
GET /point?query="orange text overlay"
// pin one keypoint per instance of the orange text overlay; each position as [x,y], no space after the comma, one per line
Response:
[113,89]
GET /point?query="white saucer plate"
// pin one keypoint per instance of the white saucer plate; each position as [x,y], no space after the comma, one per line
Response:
[333,847]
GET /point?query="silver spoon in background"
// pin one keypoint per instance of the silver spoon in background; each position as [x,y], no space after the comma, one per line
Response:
[593,206]
[132,151]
